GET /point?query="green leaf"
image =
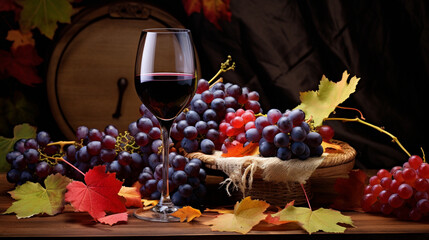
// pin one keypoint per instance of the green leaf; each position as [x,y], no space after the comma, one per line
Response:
[312,221]
[44,14]
[6,144]
[33,199]
[320,104]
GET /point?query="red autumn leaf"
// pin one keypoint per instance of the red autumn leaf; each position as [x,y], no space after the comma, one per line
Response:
[114,218]
[236,149]
[276,220]
[98,196]
[349,190]
[21,64]
[213,10]
[10,5]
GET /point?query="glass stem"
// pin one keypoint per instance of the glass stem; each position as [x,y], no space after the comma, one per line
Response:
[165,194]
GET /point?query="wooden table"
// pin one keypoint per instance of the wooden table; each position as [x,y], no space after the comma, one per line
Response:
[75,225]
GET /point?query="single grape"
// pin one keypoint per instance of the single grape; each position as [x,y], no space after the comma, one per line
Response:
[111,130]
[297,116]
[313,139]
[185,190]
[43,138]
[269,132]
[94,148]
[31,143]
[395,200]
[192,169]
[327,132]
[43,169]
[179,177]
[190,132]
[284,153]
[31,155]
[267,149]
[82,133]
[273,115]
[13,175]
[415,161]
[207,146]
[298,134]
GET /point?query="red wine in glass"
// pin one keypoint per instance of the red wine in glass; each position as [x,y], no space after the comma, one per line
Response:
[165,94]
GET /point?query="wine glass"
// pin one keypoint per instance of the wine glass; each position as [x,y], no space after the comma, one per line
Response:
[166,83]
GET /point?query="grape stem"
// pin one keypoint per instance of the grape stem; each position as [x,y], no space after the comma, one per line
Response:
[355,109]
[394,139]
[224,67]
[71,165]
[306,197]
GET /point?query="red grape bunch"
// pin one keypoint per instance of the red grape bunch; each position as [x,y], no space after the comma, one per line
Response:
[403,191]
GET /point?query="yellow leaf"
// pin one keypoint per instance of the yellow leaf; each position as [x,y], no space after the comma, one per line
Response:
[247,214]
[312,221]
[131,195]
[187,213]
[320,104]
[19,38]
[148,204]
[219,210]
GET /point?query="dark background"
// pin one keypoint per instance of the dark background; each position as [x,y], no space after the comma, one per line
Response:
[284,47]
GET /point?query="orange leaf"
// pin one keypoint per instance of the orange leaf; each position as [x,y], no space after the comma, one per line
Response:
[148,204]
[188,213]
[213,10]
[114,218]
[19,38]
[350,190]
[132,196]
[331,147]
[192,6]
[236,149]
[276,220]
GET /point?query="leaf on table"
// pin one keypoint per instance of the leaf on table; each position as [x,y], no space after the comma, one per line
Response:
[221,210]
[187,213]
[148,204]
[213,10]
[6,144]
[276,220]
[114,218]
[312,221]
[350,191]
[236,149]
[247,214]
[132,196]
[320,104]
[331,147]
[34,199]
[44,15]
[20,38]
[21,64]
[98,196]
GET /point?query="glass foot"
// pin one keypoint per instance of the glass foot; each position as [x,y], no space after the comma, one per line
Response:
[157,214]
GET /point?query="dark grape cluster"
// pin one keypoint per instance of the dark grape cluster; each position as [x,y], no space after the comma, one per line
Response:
[186,181]
[24,160]
[403,191]
[198,128]
[283,135]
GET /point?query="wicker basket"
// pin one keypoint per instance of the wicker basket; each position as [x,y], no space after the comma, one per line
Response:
[332,166]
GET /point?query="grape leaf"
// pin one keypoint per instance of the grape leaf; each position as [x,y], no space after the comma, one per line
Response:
[331,147]
[247,213]
[6,144]
[312,221]
[114,218]
[350,191]
[213,10]
[100,194]
[33,199]
[320,104]
[19,38]
[187,213]
[21,64]
[44,15]
[132,196]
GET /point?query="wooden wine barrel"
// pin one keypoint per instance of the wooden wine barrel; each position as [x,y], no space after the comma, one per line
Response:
[93,61]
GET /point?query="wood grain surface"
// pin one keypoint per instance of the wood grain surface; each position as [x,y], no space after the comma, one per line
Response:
[72,224]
